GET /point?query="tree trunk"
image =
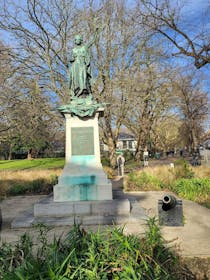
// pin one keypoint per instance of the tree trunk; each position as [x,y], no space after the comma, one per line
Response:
[112,152]
[10,152]
[29,156]
[194,140]
[137,155]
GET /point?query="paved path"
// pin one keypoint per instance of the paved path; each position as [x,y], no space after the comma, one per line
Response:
[193,239]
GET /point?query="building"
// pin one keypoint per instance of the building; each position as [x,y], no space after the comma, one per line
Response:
[125,142]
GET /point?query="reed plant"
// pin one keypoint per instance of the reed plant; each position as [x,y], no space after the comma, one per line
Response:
[83,255]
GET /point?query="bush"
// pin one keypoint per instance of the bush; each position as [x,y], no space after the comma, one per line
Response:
[182,169]
[37,186]
[81,255]
[109,172]
[142,181]
[128,155]
[105,161]
[196,189]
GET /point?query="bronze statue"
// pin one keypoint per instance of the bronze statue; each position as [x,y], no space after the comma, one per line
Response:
[80,73]
[82,103]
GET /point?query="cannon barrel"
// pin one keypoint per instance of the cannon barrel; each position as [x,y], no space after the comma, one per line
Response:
[169,202]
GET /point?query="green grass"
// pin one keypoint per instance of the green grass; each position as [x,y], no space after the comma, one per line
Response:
[187,183]
[195,189]
[43,163]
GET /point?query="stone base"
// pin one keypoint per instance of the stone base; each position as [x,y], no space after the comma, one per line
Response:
[172,217]
[83,180]
[116,211]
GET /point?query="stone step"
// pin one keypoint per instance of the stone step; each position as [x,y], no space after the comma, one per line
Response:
[119,211]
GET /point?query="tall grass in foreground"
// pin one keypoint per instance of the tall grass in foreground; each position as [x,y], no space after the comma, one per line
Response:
[86,255]
[27,181]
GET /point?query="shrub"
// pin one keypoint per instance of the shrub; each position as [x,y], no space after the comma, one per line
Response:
[109,172]
[142,181]
[128,155]
[182,169]
[36,186]
[105,161]
[195,189]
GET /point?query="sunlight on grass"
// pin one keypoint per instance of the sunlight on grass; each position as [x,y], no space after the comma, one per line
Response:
[43,163]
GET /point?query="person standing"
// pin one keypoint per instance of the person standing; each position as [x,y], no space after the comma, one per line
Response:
[120,164]
[146,157]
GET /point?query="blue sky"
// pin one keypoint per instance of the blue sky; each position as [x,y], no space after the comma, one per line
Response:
[195,15]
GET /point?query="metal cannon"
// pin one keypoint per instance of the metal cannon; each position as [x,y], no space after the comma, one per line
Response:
[169,202]
[170,211]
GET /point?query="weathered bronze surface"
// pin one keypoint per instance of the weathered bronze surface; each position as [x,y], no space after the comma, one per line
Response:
[80,73]
[82,103]
[82,107]
[82,142]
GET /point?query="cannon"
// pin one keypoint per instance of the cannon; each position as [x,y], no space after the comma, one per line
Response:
[170,211]
[169,202]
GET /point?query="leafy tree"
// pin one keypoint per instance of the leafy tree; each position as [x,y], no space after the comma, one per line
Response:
[30,120]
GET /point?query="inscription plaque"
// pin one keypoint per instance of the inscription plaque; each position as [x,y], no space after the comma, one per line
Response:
[82,141]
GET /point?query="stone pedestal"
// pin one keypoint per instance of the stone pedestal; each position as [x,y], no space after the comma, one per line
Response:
[83,178]
[83,194]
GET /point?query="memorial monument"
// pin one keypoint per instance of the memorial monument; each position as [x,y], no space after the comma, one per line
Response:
[83,177]
[83,194]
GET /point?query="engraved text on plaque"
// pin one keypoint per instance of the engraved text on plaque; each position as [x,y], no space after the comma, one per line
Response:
[82,141]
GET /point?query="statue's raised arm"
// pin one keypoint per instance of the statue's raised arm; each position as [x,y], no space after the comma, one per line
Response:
[92,41]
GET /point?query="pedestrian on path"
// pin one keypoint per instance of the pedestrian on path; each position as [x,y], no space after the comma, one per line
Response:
[146,157]
[120,164]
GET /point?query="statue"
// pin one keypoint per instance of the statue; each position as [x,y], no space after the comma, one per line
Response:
[80,73]
[82,103]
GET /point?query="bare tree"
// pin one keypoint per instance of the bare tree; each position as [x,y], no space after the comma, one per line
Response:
[44,31]
[8,84]
[117,49]
[166,134]
[40,33]
[193,107]
[150,100]
[163,17]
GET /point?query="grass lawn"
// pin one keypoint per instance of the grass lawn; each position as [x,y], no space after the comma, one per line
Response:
[41,163]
